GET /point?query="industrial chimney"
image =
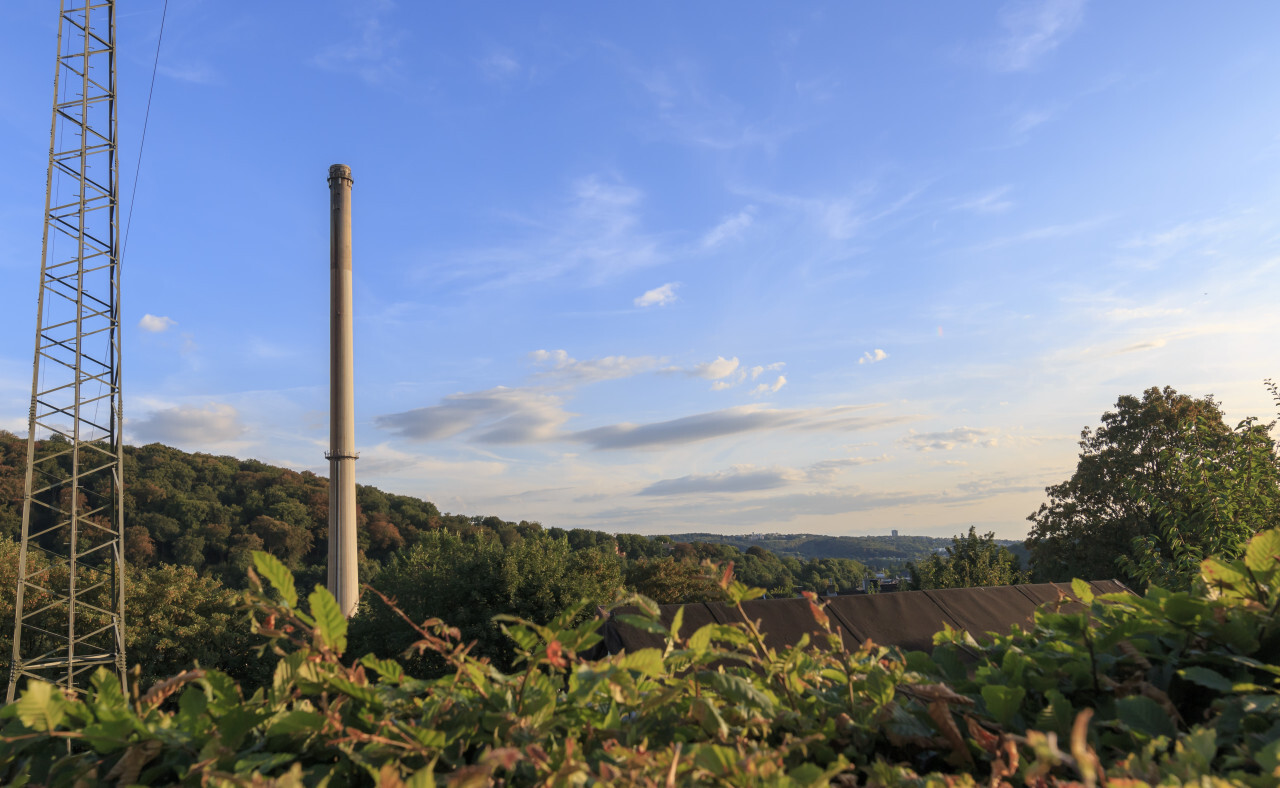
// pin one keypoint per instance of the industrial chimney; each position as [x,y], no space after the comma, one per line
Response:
[343,581]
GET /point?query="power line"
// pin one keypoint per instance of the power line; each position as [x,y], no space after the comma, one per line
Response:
[133,193]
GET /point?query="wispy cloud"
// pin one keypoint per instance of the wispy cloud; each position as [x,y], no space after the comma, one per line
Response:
[195,74]
[658,296]
[731,421]
[372,53]
[1046,233]
[156,324]
[1124,314]
[993,201]
[698,115]
[499,415]
[189,425]
[950,439]
[1182,234]
[873,356]
[718,369]
[1033,29]
[729,228]
[499,66]
[748,478]
[595,236]
[568,370]
[738,480]
[770,388]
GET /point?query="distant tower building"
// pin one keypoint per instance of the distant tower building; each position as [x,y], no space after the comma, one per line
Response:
[344,583]
[895,531]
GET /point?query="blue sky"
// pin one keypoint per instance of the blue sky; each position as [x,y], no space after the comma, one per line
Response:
[816,267]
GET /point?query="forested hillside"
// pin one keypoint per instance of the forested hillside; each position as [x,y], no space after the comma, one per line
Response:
[194,520]
[881,552]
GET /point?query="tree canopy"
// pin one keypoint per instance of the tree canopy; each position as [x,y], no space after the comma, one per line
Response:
[1164,477]
[970,561]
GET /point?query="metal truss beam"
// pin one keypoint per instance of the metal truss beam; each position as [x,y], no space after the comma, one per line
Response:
[69,599]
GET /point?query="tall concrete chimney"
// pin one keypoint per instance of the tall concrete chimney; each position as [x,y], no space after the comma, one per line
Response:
[343,581]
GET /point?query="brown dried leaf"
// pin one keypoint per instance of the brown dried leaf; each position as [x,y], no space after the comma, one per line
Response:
[940,713]
[127,769]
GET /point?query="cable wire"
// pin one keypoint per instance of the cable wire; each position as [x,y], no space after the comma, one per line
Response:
[133,194]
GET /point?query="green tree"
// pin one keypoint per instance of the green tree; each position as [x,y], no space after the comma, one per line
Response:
[970,561]
[669,581]
[467,580]
[1164,472]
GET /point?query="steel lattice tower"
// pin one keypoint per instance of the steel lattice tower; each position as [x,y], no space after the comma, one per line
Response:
[69,607]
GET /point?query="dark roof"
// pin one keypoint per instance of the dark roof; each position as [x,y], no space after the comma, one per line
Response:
[907,619]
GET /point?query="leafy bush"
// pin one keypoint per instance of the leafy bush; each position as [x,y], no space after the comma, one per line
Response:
[1162,689]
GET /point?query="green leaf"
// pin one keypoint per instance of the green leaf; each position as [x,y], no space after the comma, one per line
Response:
[295,722]
[278,574]
[879,687]
[1207,678]
[677,621]
[647,661]
[330,622]
[1144,715]
[1263,554]
[1003,702]
[641,622]
[235,724]
[1082,590]
[387,668]
[1269,757]
[42,706]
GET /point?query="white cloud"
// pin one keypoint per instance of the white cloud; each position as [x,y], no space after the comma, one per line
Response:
[1182,234]
[499,66]
[573,371]
[1031,119]
[873,356]
[757,371]
[950,439]
[731,421]
[737,480]
[1033,29]
[658,296]
[749,478]
[767,388]
[499,415]
[712,370]
[1137,347]
[156,323]
[214,422]
[595,236]
[988,202]
[729,228]
[373,55]
[198,74]
[1141,313]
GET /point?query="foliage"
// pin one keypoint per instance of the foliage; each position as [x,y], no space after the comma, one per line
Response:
[173,617]
[1160,470]
[470,579]
[210,513]
[1224,496]
[1130,691]
[970,561]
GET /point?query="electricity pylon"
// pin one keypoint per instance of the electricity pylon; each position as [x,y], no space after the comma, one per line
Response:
[69,605]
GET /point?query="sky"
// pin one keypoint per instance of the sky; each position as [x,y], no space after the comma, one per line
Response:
[723,267]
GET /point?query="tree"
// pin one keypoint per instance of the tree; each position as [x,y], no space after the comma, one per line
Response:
[1164,473]
[669,581]
[970,561]
[468,579]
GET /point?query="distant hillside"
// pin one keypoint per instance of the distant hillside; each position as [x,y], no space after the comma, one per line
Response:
[873,551]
